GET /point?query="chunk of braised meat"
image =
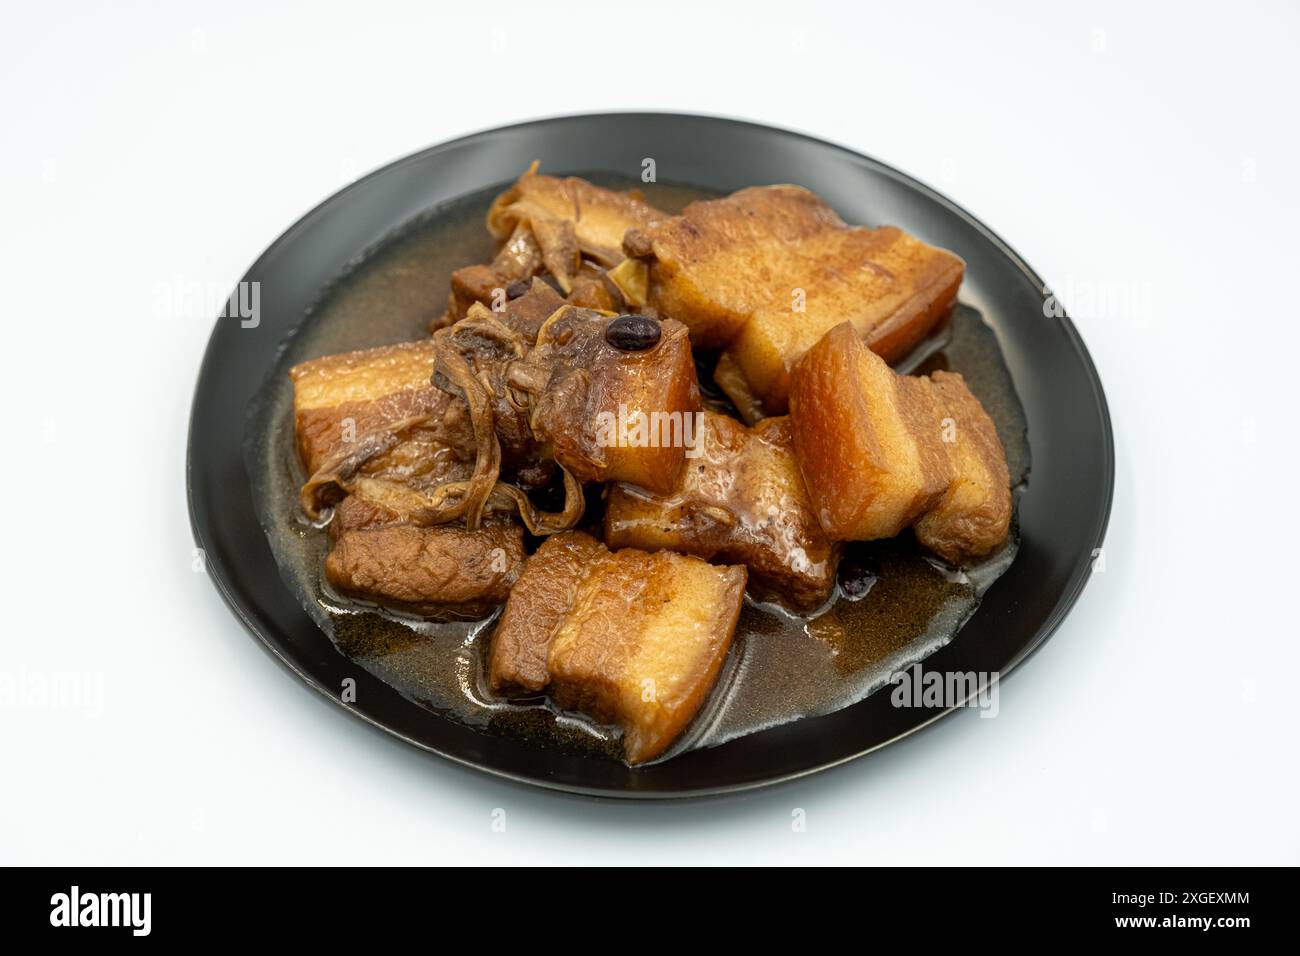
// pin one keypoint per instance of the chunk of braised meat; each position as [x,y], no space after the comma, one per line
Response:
[627,637]
[569,230]
[443,569]
[598,218]
[880,452]
[740,500]
[607,413]
[766,271]
[375,414]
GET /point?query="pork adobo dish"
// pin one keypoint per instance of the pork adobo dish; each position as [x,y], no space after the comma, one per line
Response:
[637,438]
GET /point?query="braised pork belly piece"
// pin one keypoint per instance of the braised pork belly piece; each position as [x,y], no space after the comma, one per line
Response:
[614,397]
[972,516]
[767,271]
[584,398]
[740,500]
[371,426]
[485,285]
[377,554]
[566,230]
[428,570]
[376,437]
[570,212]
[519,658]
[497,406]
[629,638]
[376,414]
[593,288]
[880,452]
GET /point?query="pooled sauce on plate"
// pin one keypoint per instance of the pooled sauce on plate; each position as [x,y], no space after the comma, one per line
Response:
[893,605]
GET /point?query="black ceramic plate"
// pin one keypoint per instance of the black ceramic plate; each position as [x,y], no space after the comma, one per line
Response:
[1062,514]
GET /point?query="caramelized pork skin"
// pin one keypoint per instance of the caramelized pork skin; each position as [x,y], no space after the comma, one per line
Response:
[767,271]
[973,515]
[430,570]
[741,500]
[880,452]
[518,662]
[629,638]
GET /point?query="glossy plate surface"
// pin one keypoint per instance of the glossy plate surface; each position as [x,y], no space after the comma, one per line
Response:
[1062,515]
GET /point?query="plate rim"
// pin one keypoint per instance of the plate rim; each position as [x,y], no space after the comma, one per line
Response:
[1079,577]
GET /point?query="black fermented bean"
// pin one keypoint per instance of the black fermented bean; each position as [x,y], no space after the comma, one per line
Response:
[633,333]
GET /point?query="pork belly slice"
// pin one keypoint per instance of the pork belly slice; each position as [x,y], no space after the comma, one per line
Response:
[863,440]
[378,555]
[740,501]
[538,604]
[443,568]
[606,414]
[880,451]
[972,517]
[767,271]
[376,412]
[721,259]
[555,209]
[627,637]
[644,644]
[893,288]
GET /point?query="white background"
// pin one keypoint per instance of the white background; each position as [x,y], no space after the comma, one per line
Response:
[1144,162]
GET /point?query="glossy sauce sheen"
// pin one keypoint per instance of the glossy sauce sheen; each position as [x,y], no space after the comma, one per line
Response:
[892,606]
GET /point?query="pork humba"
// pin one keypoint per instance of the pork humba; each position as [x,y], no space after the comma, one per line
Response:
[740,500]
[881,452]
[629,637]
[767,271]
[565,366]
